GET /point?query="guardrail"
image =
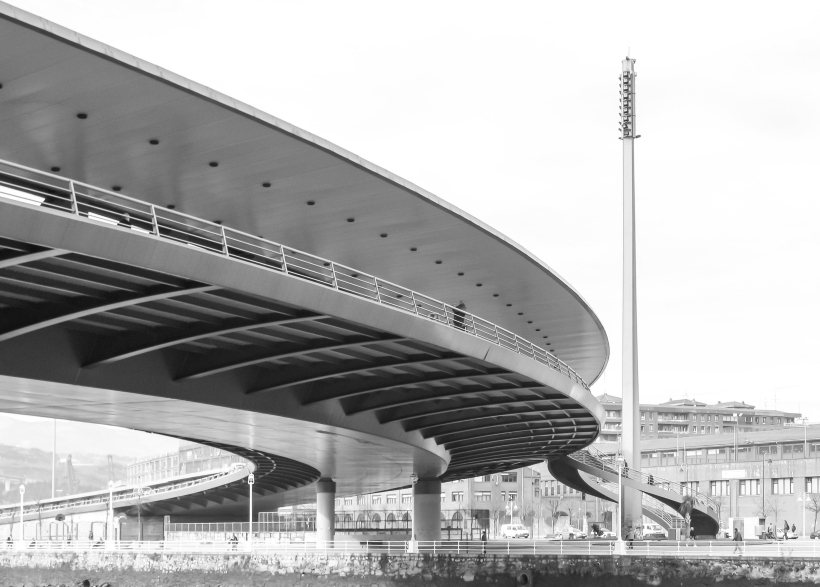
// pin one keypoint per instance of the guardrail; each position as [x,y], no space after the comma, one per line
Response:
[121,495]
[594,458]
[593,547]
[29,186]
[670,518]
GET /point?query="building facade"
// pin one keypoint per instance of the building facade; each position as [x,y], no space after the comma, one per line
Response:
[190,458]
[688,417]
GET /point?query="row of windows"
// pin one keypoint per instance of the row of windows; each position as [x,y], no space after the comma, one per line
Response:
[728,454]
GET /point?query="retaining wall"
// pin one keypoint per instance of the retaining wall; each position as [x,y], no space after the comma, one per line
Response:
[311,570]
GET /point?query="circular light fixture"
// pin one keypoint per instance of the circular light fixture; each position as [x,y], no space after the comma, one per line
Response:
[438,262]
[311,203]
[154,141]
[538,330]
[214,163]
[479,284]
[266,184]
[414,249]
[351,220]
[116,188]
[170,206]
[546,336]
[521,313]
[509,305]
[460,274]
[529,321]
[55,169]
[495,295]
[383,235]
[82,115]
[217,222]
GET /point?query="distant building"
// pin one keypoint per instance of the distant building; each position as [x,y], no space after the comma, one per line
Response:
[190,458]
[689,417]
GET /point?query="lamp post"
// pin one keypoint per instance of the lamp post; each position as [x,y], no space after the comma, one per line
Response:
[139,514]
[22,493]
[619,532]
[802,501]
[110,514]
[250,508]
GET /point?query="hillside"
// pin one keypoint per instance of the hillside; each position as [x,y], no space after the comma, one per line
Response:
[34,466]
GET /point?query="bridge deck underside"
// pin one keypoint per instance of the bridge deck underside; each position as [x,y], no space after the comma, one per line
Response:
[220,346]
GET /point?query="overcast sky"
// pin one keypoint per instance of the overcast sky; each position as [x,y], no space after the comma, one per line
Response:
[509,110]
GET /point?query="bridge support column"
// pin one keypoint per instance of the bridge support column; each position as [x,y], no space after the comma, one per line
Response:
[325,511]
[427,509]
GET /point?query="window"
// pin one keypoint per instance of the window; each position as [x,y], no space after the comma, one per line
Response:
[783,486]
[513,496]
[749,487]
[482,479]
[643,428]
[458,496]
[536,491]
[348,501]
[812,484]
[613,413]
[338,502]
[443,497]
[483,496]
[504,495]
[764,419]
[757,419]
[376,499]
[391,498]
[719,488]
[643,415]
[650,427]
[509,478]
[701,430]
[407,498]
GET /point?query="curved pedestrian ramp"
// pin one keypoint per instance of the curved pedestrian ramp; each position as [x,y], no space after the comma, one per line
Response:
[594,473]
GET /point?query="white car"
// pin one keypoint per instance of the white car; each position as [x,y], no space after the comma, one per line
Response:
[573,533]
[608,535]
[514,531]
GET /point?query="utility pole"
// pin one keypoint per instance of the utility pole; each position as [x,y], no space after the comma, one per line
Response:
[54,461]
[632,506]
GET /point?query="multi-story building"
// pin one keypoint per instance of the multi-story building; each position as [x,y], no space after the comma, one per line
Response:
[689,417]
[190,458]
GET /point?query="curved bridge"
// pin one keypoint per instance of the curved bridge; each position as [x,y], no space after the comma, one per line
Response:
[164,322]
[582,470]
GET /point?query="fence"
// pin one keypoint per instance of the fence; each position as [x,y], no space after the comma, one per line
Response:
[33,187]
[597,548]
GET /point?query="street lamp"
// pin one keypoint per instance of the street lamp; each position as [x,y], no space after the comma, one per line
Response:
[620,497]
[803,499]
[139,514]
[250,508]
[22,493]
[110,513]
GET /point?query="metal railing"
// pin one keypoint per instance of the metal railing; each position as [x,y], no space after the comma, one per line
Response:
[29,186]
[130,493]
[671,518]
[593,457]
[593,547]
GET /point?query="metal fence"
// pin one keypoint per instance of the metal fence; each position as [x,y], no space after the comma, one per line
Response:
[29,186]
[597,548]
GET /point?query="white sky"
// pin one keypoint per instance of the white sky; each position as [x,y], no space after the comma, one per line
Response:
[509,111]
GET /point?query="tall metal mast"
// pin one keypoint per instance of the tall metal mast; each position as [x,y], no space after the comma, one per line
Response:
[630,406]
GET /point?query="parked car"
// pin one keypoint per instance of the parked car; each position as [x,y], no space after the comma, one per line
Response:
[791,535]
[653,532]
[514,531]
[815,535]
[573,533]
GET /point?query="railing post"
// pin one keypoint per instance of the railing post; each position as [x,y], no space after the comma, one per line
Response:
[497,338]
[415,304]
[333,272]
[75,209]
[154,222]
[284,260]
[224,241]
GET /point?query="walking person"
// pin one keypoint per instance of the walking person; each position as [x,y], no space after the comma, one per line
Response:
[484,542]
[692,535]
[738,542]
[458,315]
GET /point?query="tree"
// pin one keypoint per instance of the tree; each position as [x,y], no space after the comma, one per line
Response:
[813,505]
[685,508]
[762,509]
[552,508]
[496,507]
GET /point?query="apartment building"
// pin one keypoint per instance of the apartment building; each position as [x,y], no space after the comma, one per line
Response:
[689,417]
